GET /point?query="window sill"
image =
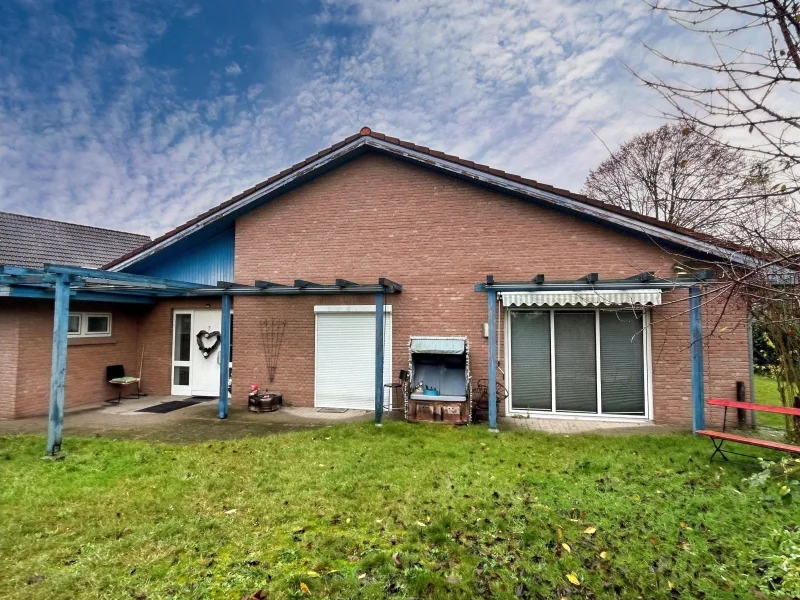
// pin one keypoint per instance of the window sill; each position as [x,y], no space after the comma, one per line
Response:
[90,341]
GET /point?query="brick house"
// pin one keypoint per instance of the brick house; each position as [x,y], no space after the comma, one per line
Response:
[605,334]
[26,322]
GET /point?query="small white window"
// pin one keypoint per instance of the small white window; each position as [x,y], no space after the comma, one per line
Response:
[74,325]
[89,325]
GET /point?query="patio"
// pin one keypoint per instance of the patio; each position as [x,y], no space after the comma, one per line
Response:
[200,423]
[189,425]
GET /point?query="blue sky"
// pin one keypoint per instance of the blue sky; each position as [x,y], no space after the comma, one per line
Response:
[140,115]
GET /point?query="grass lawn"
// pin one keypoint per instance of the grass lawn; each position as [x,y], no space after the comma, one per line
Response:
[766,392]
[405,511]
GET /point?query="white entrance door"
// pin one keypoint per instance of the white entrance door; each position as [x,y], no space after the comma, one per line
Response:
[345,356]
[193,373]
[205,364]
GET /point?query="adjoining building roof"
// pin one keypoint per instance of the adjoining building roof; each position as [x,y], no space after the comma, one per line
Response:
[31,242]
[368,140]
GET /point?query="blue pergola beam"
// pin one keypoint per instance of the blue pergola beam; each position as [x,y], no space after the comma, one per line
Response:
[58,366]
[379,317]
[696,345]
[48,294]
[492,305]
[224,356]
[639,281]
[144,280]
[45,281]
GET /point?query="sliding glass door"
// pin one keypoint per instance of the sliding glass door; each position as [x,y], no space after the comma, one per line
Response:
[590,362]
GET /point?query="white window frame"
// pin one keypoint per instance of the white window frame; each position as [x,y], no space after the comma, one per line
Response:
[599,415]
[181,390]
[84,324]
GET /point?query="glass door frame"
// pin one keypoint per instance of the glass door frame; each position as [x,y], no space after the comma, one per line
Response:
[181,390]
[599,415]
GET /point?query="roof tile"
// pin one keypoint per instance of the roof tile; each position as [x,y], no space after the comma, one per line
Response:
[31,242]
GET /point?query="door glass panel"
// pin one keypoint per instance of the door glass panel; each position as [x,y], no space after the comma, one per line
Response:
[180,376]
[576,364]
[622,363]
[530,360]
[183,336]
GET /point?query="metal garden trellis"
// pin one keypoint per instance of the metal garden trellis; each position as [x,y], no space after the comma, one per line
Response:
[272,331]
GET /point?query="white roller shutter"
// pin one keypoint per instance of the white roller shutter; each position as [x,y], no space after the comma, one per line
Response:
[345,357]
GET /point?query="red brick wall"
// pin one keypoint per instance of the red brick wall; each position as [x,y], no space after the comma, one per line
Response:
[9,357]
[86,359]
[438,236]
[725,358]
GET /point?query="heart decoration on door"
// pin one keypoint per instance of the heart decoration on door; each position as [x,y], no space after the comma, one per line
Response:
[205,335]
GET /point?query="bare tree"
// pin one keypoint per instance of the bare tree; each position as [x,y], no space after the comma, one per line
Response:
[742,89]
[748,89]
[679,175]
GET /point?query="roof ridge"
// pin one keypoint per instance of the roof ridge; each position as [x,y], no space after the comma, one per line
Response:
[367,132]
[33,218]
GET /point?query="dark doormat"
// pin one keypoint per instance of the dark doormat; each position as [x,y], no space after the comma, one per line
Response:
[332,410]
[166,407]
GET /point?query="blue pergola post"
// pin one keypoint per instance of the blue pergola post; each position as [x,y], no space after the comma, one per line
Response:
[224,356]
[696,336]
[378,358]
[58,367]
[492,299]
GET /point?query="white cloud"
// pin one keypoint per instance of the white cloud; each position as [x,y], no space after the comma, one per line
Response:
[192,11]
[511,83]
[233,69]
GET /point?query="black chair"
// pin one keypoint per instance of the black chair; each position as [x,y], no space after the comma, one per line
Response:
[396,391]
[115,375]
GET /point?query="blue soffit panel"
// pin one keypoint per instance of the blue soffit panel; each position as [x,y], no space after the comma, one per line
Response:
[205,257]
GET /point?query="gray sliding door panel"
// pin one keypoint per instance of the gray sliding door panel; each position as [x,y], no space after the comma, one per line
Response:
[622,363]
[576,362]
[530,360]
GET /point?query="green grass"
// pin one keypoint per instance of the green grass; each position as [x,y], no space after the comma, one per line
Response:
[766,392]
[404,511]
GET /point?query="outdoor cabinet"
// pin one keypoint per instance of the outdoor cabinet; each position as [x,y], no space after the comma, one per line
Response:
[438,388]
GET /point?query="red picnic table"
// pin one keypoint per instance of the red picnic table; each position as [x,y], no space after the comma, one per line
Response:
[719,437]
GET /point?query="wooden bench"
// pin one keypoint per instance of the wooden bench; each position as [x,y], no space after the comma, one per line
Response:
[719,437]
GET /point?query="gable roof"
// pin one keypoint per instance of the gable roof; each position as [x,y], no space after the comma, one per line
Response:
[31,242]
[368,140]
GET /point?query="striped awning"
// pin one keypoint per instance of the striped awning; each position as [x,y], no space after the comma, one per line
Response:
[642,297]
